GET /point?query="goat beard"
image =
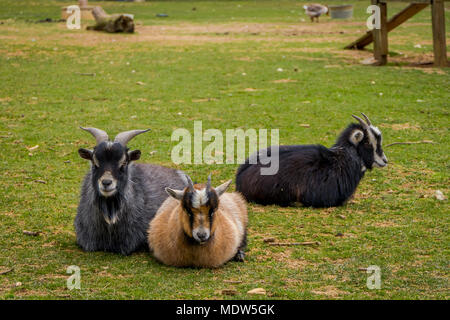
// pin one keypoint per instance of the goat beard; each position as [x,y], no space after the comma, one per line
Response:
[110,207]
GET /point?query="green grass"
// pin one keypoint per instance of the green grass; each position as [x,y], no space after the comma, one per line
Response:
[393,221]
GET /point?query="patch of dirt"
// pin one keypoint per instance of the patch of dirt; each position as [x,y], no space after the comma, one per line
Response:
[385,224]
[182,34]
[426,69]
[421,260]
[286,258]
[247,59]
[411,60]
[329,291]
[400,126]
[8,213]
[284,81]
[329,277]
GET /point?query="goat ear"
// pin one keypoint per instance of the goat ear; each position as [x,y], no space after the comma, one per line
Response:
[85,153]
[177,194]
[222,188]
[356,137]
[134,155]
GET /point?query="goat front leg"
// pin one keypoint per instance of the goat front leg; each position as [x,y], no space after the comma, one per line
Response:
[240,254]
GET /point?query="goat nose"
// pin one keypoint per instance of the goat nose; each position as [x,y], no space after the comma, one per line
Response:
[201,235]
[106,182]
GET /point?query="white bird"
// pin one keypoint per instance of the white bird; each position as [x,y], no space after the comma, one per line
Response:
[315,11]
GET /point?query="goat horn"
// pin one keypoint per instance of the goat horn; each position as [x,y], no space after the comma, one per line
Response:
[98,134]
[208,184]
[367,119]
[360,121]
[124,137]
[190,183]
[222,188]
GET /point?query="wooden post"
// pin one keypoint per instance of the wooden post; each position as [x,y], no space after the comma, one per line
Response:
[380,44]
[438,25]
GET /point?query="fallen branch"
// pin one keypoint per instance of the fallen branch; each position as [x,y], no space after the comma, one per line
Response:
[412,142]
[232,281]
[287,244]
[32,233]
[6,271]
[362,269]
[85,74]
[268,240]
[229,292]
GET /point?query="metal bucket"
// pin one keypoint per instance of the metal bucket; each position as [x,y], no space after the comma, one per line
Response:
[341,12]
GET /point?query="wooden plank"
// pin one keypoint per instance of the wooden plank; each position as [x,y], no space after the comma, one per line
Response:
[380,44]
[394,22]
[405,14]
[438,25]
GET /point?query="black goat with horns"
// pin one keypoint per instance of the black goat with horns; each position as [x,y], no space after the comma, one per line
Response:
[119,197]
[313,174]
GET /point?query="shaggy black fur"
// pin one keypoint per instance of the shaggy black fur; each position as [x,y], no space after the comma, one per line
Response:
[310,174]
[140,192]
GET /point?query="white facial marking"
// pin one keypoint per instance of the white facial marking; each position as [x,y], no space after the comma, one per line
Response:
[109,190]
[94,159]
[122,160]
[199,198]
[379,162]
[356,137]
[376,130]
[111,221]
[201,230]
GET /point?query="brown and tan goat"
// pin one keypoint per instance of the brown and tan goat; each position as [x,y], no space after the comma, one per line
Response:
[199,226]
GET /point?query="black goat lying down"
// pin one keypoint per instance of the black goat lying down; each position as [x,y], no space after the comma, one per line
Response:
[118,197]
[313,174]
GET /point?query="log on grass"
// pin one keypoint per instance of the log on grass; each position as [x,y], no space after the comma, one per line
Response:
[111,22]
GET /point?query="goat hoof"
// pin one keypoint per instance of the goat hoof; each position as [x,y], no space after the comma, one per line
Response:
[240,256]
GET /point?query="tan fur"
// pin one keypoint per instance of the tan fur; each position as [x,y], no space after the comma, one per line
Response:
[170,245]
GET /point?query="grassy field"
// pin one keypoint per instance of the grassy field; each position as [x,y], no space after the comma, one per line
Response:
[246,64]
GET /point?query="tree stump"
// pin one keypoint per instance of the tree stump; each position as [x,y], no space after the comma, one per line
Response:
[111,22]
